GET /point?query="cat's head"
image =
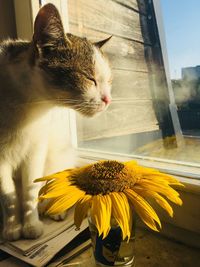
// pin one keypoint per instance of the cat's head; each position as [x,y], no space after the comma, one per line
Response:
[76,69]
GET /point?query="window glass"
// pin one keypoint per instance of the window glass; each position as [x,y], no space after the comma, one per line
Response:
[182,38]
[142,119]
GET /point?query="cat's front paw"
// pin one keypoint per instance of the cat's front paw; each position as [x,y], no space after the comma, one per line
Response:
[32,230]
[12,232]
[59,217]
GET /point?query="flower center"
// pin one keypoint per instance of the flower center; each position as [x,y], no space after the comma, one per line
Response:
[104,177]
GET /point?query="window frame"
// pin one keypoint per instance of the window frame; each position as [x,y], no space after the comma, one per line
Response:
[26,11]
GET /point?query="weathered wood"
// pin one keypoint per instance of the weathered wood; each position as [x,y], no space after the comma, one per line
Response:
[122,53]
[109,17]
[130,84]
[120,119]
[138,5]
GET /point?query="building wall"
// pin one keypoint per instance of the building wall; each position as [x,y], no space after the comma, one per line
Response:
[191,73]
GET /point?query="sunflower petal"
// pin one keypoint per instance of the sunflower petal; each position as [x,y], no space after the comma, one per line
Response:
[143,209]
[153,174]
[97,215]
[149,221]
[158,198]
[81,210]
[58,175]
[108,205]
[119,212]
[54,185]
[101,213]
[58,191]
[171,180]
[60,204]
[167,191]
[129,215]
[131,164]
[163,203]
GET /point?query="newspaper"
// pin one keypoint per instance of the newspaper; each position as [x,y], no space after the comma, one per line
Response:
[40,251]
[10,261]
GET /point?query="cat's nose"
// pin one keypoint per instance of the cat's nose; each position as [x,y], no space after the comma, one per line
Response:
[106,99]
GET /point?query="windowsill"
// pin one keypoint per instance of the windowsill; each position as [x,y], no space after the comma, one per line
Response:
[151,249]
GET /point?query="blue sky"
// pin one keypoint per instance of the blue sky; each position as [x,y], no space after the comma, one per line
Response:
[182,29]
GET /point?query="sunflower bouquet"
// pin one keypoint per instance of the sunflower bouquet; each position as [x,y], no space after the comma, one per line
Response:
[110,191]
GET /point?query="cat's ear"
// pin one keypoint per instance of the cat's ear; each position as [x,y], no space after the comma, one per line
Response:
[48,28]
[101,43]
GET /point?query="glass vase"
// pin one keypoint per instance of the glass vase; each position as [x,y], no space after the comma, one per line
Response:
[113,250]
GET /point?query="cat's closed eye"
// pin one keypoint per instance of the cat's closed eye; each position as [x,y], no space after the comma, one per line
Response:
[92,80]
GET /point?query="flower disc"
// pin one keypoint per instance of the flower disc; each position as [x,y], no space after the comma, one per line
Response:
[104,177]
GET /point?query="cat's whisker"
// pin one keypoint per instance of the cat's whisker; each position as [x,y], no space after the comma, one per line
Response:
[72,103]
[81,103]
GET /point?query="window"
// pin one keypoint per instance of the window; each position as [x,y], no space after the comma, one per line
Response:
[145,120]
[142,122]
[131,117]
[131,120]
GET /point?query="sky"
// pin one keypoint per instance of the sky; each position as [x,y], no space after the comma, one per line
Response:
[181,20]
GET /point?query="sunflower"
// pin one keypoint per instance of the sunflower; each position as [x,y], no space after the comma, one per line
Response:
[110,190]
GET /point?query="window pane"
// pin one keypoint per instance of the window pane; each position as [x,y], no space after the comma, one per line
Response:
[180,20]
[142,118]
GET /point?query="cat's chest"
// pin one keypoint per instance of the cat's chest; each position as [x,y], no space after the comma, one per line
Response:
[52,123]
[50,131]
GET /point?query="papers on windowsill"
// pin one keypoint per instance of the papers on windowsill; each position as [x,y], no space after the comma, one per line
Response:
[40,251]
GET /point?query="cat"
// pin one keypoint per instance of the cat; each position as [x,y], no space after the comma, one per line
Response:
[39,81]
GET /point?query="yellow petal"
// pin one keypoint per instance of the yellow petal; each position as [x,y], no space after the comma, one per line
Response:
[61,204]
[108,204]
[153,174]
[58,191]
[131,163]
[171,180]
[167,191]
[159,199]
[120,212]
[97,216]
[58,175]
[129,215]
[143,209]
[81,210]
[101,213]
[163,203]
[148,221]
[50,186]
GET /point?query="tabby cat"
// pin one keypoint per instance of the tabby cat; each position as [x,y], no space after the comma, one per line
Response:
[39,81]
